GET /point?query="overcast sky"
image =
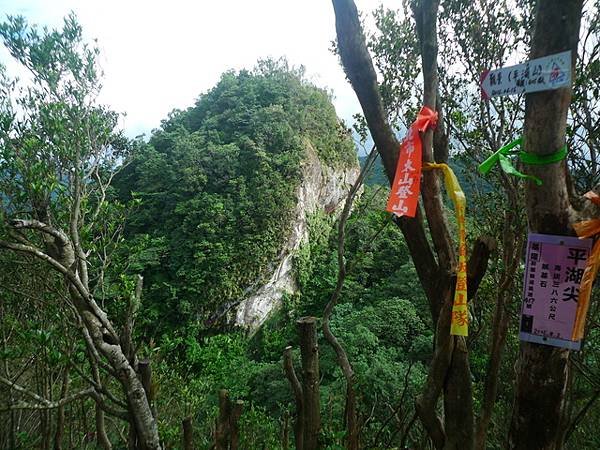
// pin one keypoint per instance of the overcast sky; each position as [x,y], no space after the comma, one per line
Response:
[160,55]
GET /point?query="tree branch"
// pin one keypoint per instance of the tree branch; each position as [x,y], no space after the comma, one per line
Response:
[361,74]
[48,259]
[425,13]
[33,224]
[42,403]
[358,66]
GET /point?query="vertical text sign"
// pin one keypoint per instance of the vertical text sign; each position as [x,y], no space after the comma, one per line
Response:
[406,187]
[405,190]
[540,74]
[553,273]
[460,310]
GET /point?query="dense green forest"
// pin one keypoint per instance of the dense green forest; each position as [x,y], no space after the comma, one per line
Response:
[124,261]
[217,185]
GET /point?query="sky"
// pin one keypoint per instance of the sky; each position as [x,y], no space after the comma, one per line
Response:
[160,55]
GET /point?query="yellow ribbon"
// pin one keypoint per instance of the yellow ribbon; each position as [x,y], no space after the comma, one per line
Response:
[460,311]
[586,229]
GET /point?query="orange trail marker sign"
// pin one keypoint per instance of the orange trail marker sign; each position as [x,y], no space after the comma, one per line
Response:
[407,180]
[587,229]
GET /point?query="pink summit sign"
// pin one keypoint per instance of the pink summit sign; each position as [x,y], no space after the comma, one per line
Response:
[553,272]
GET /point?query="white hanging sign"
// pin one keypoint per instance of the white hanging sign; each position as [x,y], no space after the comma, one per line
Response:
[540,74]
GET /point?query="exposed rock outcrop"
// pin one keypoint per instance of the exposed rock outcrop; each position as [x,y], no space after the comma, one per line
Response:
[322,188]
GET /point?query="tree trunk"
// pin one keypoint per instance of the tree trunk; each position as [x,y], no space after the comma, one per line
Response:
[60,413]
[288,367]
[107,343]
[188,433]
[543,372]
[351,419]
[234,425]
[222,428]
[458,401]
[435,275]
[141,415]
[145,370]
[285,431]
[227,431]
[309,350]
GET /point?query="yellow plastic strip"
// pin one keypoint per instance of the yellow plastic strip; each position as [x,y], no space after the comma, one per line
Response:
[586,229]
[460,311]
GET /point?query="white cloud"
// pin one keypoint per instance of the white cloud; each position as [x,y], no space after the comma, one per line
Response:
[161,55]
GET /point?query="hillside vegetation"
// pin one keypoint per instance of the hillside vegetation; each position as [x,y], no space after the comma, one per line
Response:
[217,183]
[123,260]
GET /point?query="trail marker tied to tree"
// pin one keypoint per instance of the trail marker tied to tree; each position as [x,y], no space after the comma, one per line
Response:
[406,187]
[553,275]
[540,74]
[459,326]
[404,197]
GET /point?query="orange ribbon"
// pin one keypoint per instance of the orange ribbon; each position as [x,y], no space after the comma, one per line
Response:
[407,180]
[587,229]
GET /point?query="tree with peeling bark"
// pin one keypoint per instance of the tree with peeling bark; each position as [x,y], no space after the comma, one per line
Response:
[449,372]
[59,150]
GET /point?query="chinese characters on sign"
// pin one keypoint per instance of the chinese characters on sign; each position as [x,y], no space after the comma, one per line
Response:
[407,180]
[541,74]
[405,191]
[460,310]
[587,229]
[553,273]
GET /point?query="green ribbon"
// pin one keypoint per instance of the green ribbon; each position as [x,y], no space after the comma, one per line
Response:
[501,156]
[538,160]
[508,168]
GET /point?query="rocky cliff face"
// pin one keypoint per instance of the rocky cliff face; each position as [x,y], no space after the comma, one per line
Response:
[322,188]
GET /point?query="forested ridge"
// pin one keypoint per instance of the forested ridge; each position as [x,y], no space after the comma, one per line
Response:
[217,184]
[124,260]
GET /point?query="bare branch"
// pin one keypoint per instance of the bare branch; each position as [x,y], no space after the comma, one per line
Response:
[33,224]
[42,403]
[51,261]
[290,373]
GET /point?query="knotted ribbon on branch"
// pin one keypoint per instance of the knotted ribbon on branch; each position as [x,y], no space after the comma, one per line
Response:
[460,310]
[404,197]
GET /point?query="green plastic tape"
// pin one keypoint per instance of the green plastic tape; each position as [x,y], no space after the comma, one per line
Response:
[502,157]
[538,160]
